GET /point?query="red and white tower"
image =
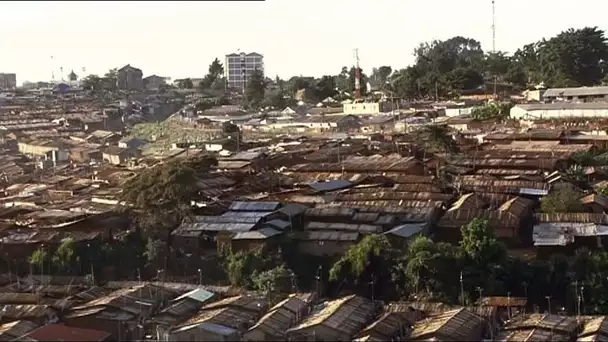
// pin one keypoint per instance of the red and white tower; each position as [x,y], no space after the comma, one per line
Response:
[357,77]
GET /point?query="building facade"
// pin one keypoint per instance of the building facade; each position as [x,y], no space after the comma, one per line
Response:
[8,81]
[130,78]
[559,110]
[580,94]
[238,67]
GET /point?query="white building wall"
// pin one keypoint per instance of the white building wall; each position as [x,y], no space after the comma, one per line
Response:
[520,113]
[451,112]
[361,109]
[235,65]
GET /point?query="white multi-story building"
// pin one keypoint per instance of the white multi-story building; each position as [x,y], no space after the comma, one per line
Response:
[238,67]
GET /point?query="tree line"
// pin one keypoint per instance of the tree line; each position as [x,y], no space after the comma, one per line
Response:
[575,57]
[442,69]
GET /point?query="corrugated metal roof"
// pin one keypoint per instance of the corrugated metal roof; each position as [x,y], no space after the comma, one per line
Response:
[351,227]
[326,236]
[330,185]
[293,209]
[576,91]
[254,206]
[406,230]
[261,234]
[459,325]
[346,315]
[279,224]
[200,295]
[562,324]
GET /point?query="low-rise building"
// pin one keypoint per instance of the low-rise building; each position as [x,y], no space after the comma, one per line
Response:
[154,82]
[559,110]
[580,94]
[129,78]
[116,155]
[8,81]
[338,320]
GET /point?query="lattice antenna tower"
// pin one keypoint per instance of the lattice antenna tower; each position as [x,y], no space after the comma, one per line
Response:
[493,26]
[357,76]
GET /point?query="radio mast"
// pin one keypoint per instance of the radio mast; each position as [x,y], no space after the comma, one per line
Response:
[357,77]
[493,26]
[494,39]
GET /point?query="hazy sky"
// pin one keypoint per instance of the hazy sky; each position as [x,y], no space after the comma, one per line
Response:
[310,37]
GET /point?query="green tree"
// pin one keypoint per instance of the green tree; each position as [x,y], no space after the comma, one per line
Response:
[480,244]
[527,59]
[216,69]
[563,200]
[92,82]
[447,67]
[325,87]
[110,80]
[406,83]
[343,82]
[160,197]
[574,58]
[431,269]
[215,72]
[156,251]
[370,260]
[255,89]
[278,100]
[297,83]
[275,280]
[380,75]
[40,261]
[65,259]
[438,138]
[494,110]
[241,265]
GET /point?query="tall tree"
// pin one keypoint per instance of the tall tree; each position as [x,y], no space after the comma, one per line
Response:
[110,80]
[574,58]
[325,87]
[380,75]
[438,138]
[216,68]
[160,197]
[342,80]
[92,82]
[255,89]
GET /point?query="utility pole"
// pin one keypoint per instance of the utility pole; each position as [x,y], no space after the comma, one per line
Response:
[373,283]
[318,278]
[480,290]
[494,38]
[91,264]
[461,290]
[509,304]
[548,304]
